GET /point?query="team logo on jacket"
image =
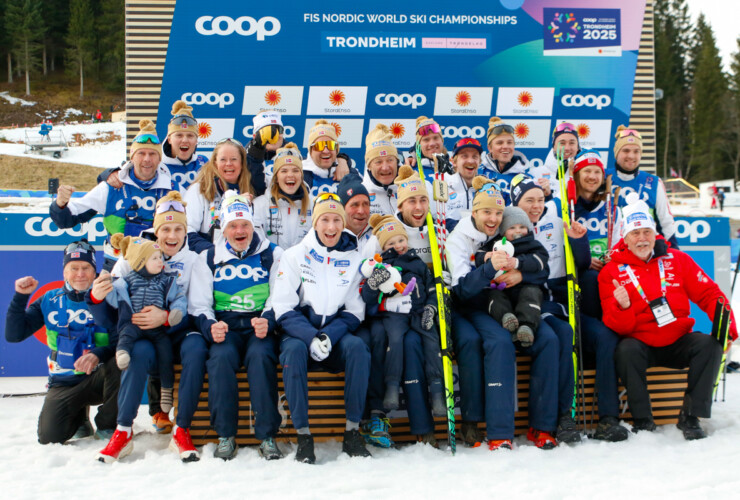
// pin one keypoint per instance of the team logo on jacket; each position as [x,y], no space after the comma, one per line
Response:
[318,258]
[341,263]
[242,271]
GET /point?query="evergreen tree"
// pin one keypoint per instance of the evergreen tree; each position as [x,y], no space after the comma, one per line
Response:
[5,42]
[111,28]
[734,142]
[25,26]
[709,96]
[81,41]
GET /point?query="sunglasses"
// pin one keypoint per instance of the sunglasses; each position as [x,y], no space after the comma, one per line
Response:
[565,127]
[230,141]
[184,121]
[327,196]
[146,139]
[468,141]
[170,205]
[322,145]
[501,129]
[628,132]
[432,128]
[270,134]
[287,152]
[79,246]
[489,186]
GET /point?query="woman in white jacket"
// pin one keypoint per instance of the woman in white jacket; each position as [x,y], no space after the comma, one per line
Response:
[283,214]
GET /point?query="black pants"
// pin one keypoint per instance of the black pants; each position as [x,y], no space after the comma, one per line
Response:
[528,299]
[700,352]
[66,407]
[394,328]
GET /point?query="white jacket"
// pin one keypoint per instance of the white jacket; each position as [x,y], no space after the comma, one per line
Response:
[549,231]
[281,222]
[461,246]
[383,200]
[201,213]
[461,196]
[317,290]
[549,171]
[418,240]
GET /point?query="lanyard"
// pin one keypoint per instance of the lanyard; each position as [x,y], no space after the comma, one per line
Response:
[633,278]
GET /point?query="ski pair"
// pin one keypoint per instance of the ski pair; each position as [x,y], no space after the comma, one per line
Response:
[721,332]
[567,206]
[443,299]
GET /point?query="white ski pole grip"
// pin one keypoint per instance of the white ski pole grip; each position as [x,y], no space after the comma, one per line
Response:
[441,190]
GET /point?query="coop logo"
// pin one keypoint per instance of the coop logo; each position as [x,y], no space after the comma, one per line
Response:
[288,131]
[243,271]
[244,26]
[40,227]
[594,225]
[414,101]
[184,178]
[145,203]
[453,132]
[590,101]
[212,99]
[694,231]
[80,317]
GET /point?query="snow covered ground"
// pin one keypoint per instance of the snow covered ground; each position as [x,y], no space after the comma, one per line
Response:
[657,465]
[100,151]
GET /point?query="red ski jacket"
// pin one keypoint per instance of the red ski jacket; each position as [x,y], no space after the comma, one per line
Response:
[685,281]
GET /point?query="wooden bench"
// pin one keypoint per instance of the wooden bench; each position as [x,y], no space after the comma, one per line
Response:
[327,417]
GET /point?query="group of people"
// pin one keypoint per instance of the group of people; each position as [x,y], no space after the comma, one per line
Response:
[260,256]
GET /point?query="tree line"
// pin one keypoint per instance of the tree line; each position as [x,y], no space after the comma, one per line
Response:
[83,37]
[698,116]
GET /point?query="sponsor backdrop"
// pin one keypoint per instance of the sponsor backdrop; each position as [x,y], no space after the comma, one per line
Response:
[35,248]
[532,62]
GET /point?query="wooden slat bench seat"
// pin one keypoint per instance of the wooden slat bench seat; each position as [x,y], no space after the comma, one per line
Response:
[327,417]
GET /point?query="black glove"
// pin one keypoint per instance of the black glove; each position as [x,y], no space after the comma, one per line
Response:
[427,317]
[379,276]
[256,149]
[444,166]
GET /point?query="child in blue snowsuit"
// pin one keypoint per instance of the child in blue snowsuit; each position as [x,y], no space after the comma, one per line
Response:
[147,285]
[398,315]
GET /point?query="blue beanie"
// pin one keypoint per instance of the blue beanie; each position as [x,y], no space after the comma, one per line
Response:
[351,186]
[520,185]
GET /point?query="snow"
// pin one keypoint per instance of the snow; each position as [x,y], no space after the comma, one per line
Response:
[16,100]
[660,464]
[100,151]
[72,111]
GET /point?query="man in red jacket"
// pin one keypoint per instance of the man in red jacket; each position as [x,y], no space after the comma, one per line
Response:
[645,291]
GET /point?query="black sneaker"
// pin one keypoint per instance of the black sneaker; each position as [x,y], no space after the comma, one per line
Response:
[305,452]
[567,431]
[354,444]
[84,430]
[430,439]
[689,424]
[269,450]
[643,424]
[610,430]
[470,434]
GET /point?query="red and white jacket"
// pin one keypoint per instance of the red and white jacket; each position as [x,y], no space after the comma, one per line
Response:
[685,281]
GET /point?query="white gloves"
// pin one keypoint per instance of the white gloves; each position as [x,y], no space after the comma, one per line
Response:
[447,278]
[398,304]
[320,347]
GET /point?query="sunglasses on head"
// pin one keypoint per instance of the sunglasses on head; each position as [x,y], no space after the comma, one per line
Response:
[565,127]
[230,141]
[432,128]
[184,120]
[79,246]
[170,205]
[489,186]
[146,139]
[468,141]
[322,145]
[327,196]
[501,129]
[628,132]
[288,152]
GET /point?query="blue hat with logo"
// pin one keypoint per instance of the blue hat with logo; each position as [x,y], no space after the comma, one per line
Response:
[351,186]
[520,184]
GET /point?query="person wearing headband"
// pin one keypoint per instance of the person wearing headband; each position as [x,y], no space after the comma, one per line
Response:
[646,290]
[81,361]
[231,306]
[318,326]
[128,209]
[283,215]
[626,174]
[502,162]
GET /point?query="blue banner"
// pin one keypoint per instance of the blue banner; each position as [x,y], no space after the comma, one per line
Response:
[357,64]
